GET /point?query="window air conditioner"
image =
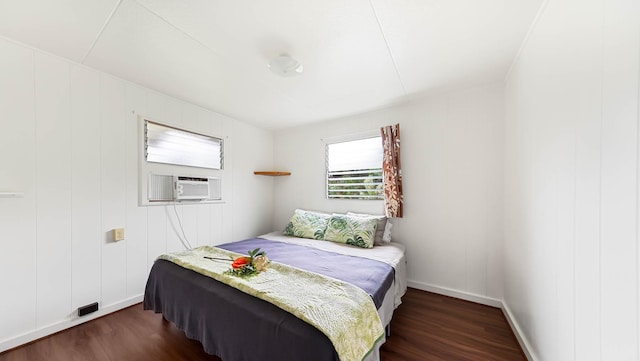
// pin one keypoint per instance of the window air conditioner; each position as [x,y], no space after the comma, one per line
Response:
[190,188]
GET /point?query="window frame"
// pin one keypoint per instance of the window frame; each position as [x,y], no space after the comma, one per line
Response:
[354,138]
[183,133]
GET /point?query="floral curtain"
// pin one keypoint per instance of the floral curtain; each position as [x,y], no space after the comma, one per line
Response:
[392,171]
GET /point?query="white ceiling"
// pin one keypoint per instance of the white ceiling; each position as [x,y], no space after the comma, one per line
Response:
[358,55]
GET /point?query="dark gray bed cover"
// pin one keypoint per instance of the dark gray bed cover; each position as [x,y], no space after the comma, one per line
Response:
[239,327]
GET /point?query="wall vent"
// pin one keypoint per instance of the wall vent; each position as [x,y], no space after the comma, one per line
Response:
[160,188]
[215,189]
[85,310]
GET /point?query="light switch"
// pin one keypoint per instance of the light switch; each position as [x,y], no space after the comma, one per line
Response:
[118,234]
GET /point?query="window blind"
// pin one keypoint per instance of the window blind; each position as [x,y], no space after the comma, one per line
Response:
[164,144]
[354,169]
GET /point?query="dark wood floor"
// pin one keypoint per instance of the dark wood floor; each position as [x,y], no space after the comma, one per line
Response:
[428,326]
[425,327]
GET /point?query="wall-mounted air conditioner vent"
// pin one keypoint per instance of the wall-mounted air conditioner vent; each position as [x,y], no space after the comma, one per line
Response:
[168,188]
[190,188]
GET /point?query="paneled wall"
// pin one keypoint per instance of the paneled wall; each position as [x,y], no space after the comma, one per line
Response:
[571,195]
[452,167]
[69,142]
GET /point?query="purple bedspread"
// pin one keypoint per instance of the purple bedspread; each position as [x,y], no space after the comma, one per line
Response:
[374,277]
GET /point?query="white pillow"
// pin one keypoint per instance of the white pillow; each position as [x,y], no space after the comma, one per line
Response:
[387,232]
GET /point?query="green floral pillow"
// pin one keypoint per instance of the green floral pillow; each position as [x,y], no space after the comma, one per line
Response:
[305,224]
[380,228]
[356,231]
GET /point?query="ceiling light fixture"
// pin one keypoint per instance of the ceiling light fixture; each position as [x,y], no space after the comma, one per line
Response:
[284,65]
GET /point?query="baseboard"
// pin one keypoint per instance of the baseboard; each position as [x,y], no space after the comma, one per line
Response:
[517,331]
[456,294]
[63,325]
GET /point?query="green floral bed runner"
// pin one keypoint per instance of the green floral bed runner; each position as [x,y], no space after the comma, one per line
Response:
[343,312]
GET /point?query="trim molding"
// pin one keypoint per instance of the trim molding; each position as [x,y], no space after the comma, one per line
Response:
[526,348]
[525,41]
[456,294]
[63,325]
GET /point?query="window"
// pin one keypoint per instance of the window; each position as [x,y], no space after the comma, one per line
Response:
[164,144]
[354,169]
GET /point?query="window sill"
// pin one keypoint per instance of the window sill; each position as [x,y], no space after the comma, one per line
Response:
[274,174]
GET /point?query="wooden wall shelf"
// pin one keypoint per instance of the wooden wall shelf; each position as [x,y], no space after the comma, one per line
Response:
[275,174]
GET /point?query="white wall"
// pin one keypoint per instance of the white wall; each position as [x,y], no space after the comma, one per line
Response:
[571,183]
[69,142]
[253,150]
[451,157]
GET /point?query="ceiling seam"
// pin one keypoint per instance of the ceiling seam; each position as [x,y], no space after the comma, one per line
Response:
[224,58]
[178,28]
[386,43]
[93,45]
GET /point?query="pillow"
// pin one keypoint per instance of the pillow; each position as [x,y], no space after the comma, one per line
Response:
[380,228]
[356,231]
[306,224]
[387,232]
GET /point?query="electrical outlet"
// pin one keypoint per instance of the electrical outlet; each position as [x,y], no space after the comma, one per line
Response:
[118,234]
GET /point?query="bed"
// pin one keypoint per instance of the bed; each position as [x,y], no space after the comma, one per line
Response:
[238,327]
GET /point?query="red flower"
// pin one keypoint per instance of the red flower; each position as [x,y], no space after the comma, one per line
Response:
[240,262]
